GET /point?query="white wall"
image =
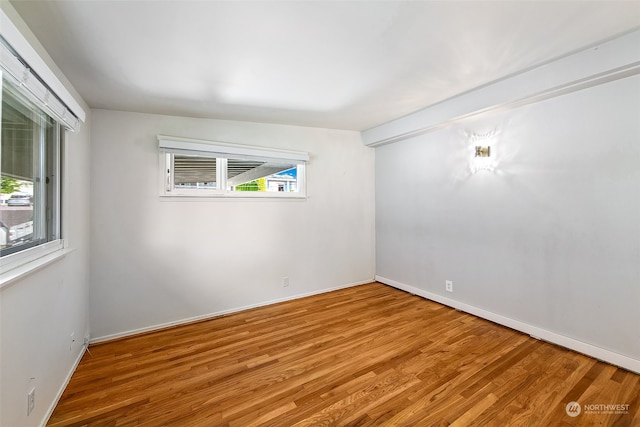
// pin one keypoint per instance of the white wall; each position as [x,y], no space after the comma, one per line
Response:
[155,260]
[550,239]
[39,312]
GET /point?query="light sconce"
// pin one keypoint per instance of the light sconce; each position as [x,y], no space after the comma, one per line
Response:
[483,151]
[481,155]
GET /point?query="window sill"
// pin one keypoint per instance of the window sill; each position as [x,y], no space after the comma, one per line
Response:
[15,274]
[231,196]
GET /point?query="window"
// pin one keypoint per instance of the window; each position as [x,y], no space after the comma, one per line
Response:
[36,110]
[201,168]
[29,173]
[194,172]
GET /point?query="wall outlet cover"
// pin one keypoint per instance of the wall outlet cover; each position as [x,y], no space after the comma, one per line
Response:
[31,401]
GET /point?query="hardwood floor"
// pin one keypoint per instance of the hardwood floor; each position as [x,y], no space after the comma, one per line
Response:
[369,355]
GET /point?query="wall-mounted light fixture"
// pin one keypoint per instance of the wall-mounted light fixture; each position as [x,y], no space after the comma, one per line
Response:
[483,151]
[481,158]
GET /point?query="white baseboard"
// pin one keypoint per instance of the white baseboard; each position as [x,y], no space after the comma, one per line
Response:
[536,332]
[64,385]
[220,313]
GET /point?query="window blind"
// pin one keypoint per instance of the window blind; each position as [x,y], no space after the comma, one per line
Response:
[21,64]
[187,169]
[31,86]
[196,147]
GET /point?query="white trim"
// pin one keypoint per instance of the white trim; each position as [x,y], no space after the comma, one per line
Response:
[204,194]
[167,188]
[168,191]
[64,385]
[34,90]
[536,332]
[221,313]
[222,149]
[16,266]
[22,47]
[615,59]
[574,86]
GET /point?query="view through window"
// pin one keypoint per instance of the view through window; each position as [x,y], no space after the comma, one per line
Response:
[29,174]
[193,167]
[261,176]
[202,175]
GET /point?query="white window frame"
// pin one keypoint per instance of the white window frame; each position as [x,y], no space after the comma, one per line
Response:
[21,263]
[25,260]
[40,84]
[37,78]
[170,146]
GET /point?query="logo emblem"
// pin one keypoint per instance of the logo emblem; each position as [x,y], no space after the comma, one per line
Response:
[573,409]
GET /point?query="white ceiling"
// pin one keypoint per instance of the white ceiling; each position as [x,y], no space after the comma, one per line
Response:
[336,64]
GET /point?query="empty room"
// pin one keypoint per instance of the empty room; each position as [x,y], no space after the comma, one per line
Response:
[303,213]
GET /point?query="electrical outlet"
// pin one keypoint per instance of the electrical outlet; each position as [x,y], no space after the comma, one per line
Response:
[73,339]
[285,281]
[448,285]
[31,401]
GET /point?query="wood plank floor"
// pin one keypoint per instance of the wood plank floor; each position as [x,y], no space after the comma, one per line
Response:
[368,355]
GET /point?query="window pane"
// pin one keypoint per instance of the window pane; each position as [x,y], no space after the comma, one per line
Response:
[261,176]
[29,167]
[194,172]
